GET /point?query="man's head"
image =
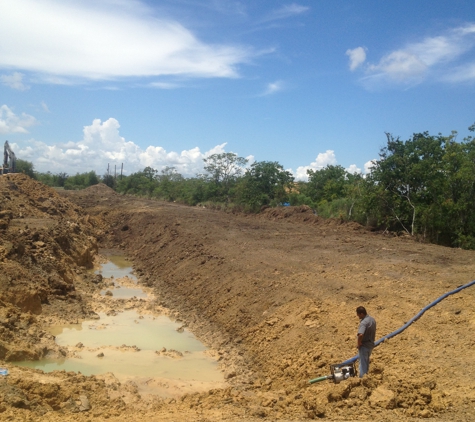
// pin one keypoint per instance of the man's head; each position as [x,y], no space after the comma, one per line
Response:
[361,312]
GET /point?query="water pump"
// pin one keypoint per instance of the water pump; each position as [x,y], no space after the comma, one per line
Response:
[339,372]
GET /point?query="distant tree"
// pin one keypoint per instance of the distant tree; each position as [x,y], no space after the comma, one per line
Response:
[169,184]
[265,183]
[327,184]
[222,171]
[409,180]
[26,167]
[81,181]
[109,180]
[141,183]
[54,180]
[60,178]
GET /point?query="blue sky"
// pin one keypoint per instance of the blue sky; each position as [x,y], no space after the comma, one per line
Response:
[91,83]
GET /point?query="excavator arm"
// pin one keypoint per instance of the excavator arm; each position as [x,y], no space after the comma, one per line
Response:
[9,159]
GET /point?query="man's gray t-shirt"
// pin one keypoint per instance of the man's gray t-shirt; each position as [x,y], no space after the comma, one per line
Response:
[368,329]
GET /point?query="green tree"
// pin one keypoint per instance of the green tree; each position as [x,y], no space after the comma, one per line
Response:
[265,183]
[109,180]
[409,181]
[169,184]
[326,184]
[54,180]
[140,183]
[26,167]
[222,171]
[458,205]
[81,180]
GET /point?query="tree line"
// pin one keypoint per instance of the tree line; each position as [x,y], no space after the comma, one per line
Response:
[423,187]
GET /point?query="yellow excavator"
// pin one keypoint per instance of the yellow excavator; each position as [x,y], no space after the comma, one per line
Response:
[9,160]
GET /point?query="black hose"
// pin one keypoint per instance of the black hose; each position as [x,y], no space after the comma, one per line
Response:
[400,330]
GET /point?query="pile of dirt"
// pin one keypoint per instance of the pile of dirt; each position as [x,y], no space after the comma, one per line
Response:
[45,243]
[273,296]
[307,215]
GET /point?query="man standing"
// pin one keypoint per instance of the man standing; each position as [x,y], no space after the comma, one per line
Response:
[366,335]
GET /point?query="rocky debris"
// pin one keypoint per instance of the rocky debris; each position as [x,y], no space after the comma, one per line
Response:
[171,353]
[83,404]
[133,348]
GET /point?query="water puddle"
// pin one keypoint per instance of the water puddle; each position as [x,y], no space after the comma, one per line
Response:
[153,351]
[123,281]
[117,267]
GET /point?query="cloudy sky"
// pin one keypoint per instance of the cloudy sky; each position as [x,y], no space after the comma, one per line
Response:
[89,83]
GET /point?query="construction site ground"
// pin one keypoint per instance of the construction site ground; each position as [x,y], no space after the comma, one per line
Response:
[273,296]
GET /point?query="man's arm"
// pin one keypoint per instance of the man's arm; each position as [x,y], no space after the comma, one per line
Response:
[359,342]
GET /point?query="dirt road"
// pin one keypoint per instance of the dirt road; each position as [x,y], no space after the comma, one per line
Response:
[274,295]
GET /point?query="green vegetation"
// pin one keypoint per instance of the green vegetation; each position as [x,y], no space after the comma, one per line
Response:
[23,166]
[423,187]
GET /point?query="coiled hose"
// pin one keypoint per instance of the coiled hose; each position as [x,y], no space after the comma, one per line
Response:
[421,312]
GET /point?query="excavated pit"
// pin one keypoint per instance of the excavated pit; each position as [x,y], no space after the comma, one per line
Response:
[272,296]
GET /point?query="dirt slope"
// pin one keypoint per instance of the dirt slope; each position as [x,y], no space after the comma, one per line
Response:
[275,296]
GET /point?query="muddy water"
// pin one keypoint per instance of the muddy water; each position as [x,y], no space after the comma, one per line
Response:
[133,346]
[115,338]
[119,268]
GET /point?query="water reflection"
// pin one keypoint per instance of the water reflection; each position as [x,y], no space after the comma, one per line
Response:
[118,268]
[130,328]
[193,366]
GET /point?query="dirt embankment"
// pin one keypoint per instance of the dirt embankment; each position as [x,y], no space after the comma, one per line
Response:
[274,295]
[45,243]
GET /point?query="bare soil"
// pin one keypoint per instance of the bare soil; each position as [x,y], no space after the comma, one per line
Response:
[272,295]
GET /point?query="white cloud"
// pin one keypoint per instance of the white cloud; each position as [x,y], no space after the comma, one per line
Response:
[14,81]
[102,145]
[442,57]
[357,57]
[368,166]
[323,159]
[165,85]
[399,66]
[353,168]
[11,123]
[273,87]
[63,41]
[44,107]
[285,12]
[465,73]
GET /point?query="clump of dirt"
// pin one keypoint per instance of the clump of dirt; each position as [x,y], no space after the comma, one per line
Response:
[272,295]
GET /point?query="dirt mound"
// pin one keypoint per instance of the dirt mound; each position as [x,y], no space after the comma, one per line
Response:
[23,197]
[45,241]
[100,190]
[305,214]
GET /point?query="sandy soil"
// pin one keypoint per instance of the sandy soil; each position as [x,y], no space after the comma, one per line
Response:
[273,296]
